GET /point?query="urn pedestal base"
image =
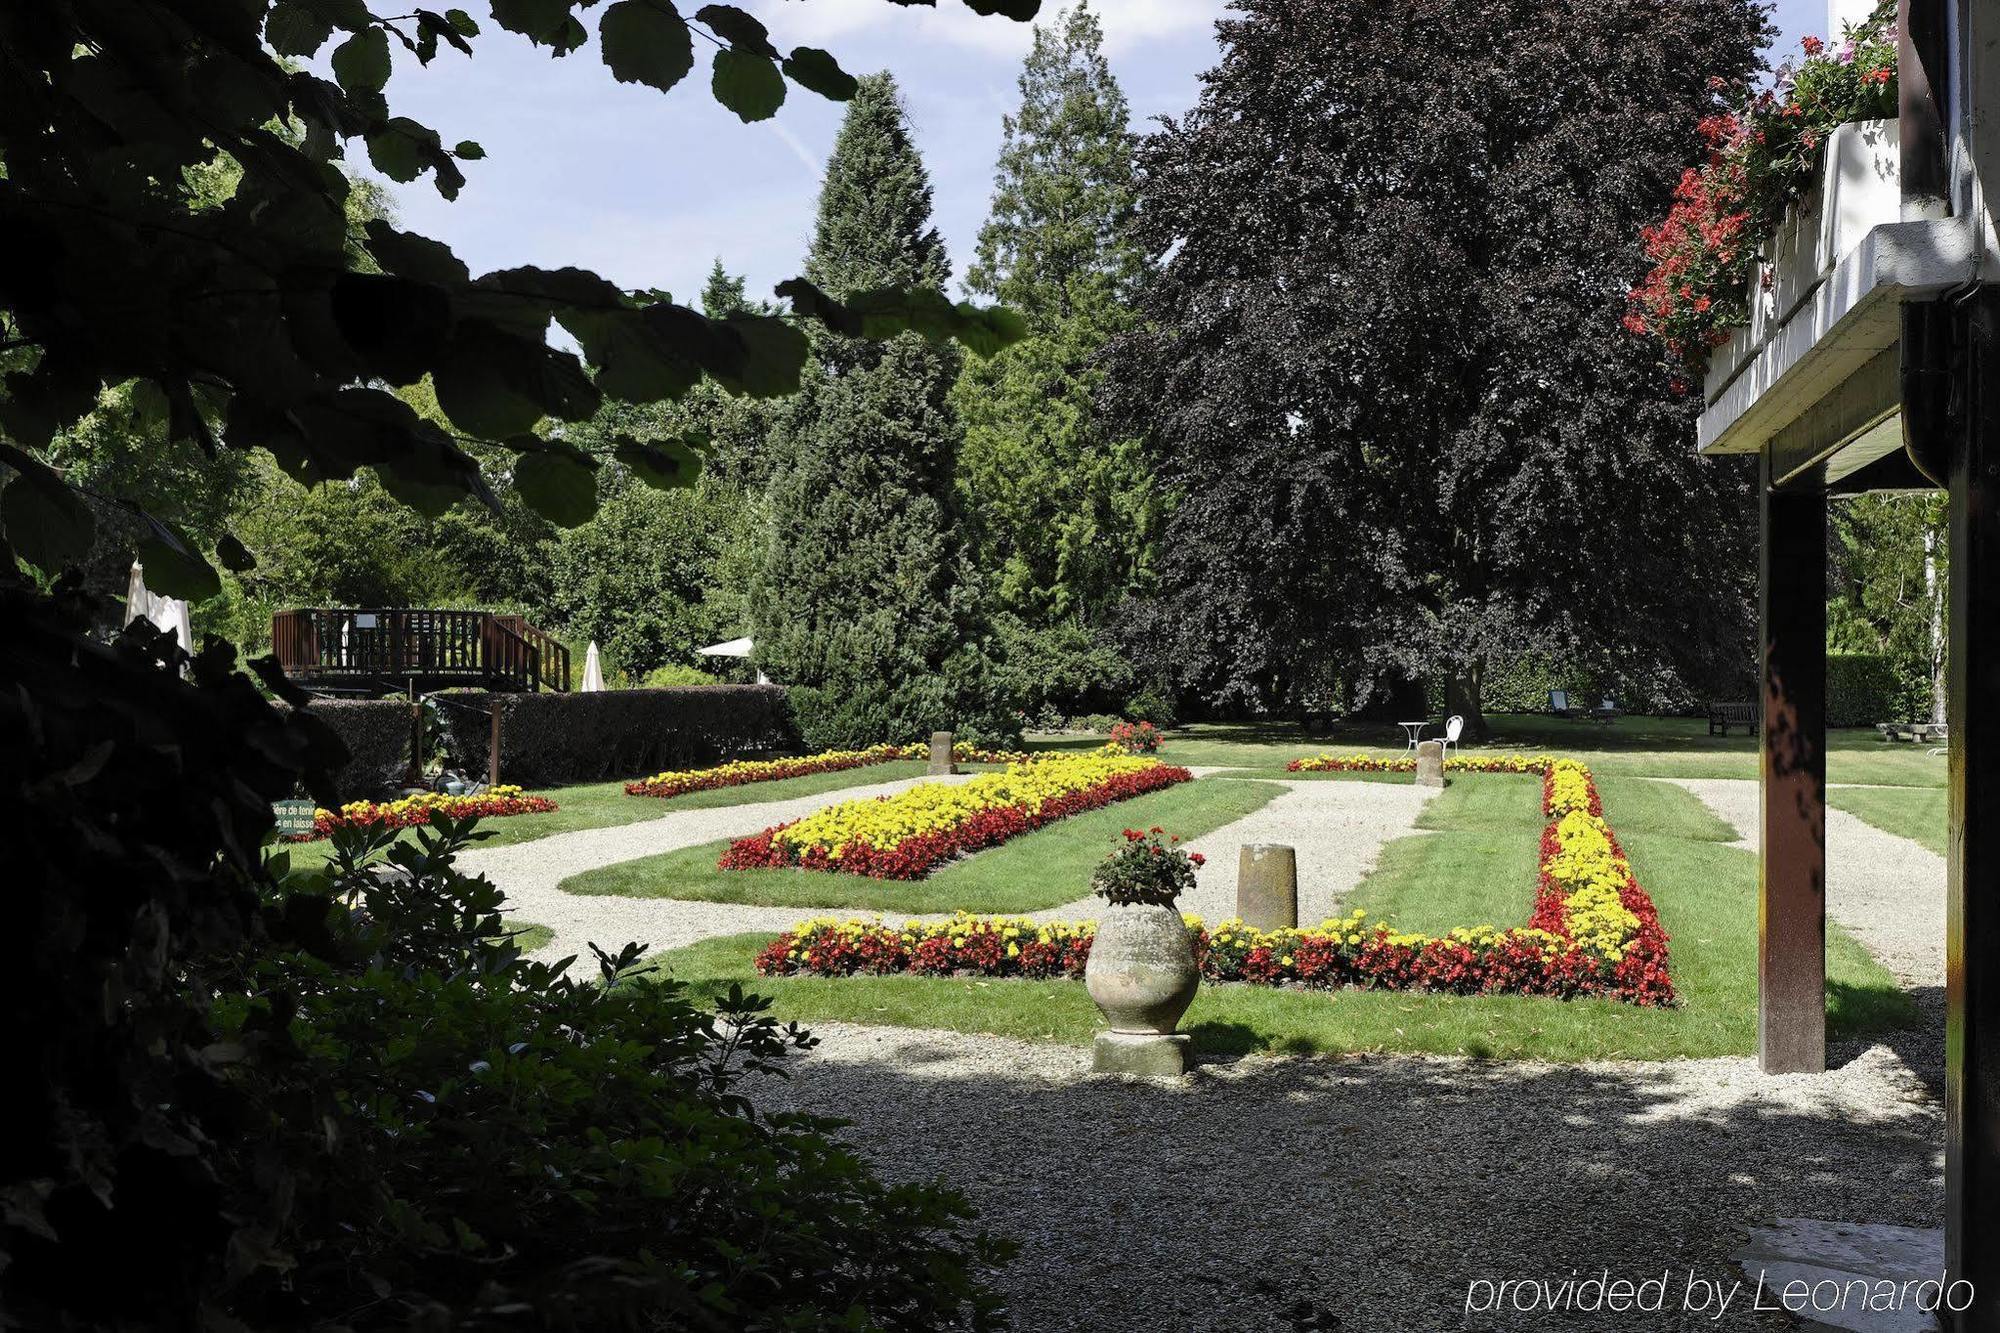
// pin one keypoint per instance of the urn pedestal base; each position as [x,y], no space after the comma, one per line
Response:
[1149,1054]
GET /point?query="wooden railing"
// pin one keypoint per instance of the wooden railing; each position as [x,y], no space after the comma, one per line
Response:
[393,645]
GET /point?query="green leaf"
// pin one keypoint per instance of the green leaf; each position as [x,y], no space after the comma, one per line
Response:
[399,151]
[739,29]
[462,22]
[234,555]
[46,523]
[540,21]
[647,43]
[361,63]
[817,71]
[409,255]
[748,84]
[766,357]
[496,384]
[985,330]
[558,485]
[294,30]
[809,301]
[669,466]
[469,150]
[634,363]
[174,566]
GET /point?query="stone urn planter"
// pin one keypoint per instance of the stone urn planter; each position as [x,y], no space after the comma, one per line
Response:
[1141,972]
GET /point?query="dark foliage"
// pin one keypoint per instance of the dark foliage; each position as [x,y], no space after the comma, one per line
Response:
[339,1098]
[556,738]
[1384,370]
[137,802]
[376,735]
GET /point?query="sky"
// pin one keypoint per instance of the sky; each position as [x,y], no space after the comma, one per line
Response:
[649,189]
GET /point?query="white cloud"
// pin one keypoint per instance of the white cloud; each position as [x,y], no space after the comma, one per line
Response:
[1127,23]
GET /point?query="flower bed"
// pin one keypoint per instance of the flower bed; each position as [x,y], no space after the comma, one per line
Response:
[905,835]
[1593,931]
[1760,161]
[1368,763]
[743,772]
[410,811]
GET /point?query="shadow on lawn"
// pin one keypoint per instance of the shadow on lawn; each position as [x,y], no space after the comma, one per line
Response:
[1366,1192]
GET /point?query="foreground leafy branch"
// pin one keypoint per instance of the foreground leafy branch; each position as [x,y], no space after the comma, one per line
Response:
[253,323]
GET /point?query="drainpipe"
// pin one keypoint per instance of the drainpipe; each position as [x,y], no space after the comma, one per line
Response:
[1926,180]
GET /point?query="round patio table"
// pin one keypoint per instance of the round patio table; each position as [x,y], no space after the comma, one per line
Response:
[1416,730]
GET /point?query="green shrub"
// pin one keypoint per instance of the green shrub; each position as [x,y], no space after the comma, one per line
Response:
[851,719]
[674,673]
[557,738]
[1149,705]
[1863,689]
[510,1136]
[1102,723]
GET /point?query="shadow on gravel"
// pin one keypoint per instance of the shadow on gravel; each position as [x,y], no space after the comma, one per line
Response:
[1366,1193]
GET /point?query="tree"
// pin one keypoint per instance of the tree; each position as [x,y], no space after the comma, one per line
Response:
[635,578]
[1060,509]
[866,605]
[1888,581]
[1384,370]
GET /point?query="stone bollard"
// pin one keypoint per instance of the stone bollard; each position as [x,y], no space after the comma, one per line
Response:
[1267,886]
[941,764]
[1430,763]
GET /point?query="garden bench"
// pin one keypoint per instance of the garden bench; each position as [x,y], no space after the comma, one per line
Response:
[1724,715]
[1918,732]
[1560,706]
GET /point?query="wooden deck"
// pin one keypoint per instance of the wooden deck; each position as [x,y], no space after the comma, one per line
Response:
[380,650]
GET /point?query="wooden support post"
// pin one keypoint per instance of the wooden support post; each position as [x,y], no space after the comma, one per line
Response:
[493,747]
[1972,902]
[1791,877]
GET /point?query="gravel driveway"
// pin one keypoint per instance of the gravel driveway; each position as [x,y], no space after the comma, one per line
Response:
[1366,1193]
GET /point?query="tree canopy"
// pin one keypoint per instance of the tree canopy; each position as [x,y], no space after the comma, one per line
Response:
[866,604]
[250,322]
[1382,365]
[1061,509]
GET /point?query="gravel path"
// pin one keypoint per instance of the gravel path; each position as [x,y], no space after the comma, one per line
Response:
[530,871]
[1338,829]
[1887,890]
[1366,1193]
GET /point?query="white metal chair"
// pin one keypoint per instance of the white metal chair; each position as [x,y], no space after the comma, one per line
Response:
[1452,726]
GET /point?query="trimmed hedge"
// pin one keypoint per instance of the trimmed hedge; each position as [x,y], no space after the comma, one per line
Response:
[547,739]
[1863,689]
[376,733]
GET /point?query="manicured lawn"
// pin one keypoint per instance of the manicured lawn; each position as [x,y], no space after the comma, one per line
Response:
[528,936]
[605,804]
[1657,746]
[1041,869]
[1477,864]
[1917,814]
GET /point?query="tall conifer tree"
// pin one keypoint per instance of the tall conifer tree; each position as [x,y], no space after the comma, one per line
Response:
[1060,510]
[866,606]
